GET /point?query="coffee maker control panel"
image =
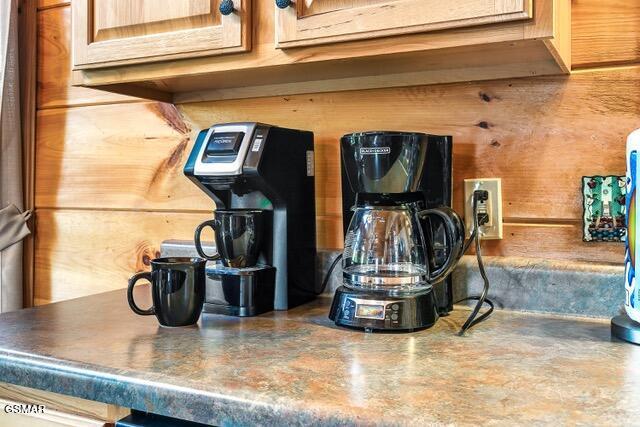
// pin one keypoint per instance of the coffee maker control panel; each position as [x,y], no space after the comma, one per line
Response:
[383,311]
[222,149]
[376,312]
[222,146]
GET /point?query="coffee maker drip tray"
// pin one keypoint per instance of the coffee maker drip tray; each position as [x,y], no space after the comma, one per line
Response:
[239,291]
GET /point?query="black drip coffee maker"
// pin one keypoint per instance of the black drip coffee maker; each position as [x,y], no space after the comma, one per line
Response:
[401,238]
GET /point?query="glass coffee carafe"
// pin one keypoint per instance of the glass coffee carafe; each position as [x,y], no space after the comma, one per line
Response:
[386,248]
[389,243]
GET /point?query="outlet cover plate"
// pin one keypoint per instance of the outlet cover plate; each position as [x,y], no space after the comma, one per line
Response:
[492,230]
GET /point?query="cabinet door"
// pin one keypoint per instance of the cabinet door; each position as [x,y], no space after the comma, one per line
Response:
[112,32]
[309,22]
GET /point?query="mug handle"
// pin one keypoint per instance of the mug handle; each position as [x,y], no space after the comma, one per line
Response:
[210,223]
[454,232]
[132,303]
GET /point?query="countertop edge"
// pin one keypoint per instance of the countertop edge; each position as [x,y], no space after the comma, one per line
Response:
[53,375]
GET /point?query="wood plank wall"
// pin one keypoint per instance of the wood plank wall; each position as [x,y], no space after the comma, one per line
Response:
[109,184]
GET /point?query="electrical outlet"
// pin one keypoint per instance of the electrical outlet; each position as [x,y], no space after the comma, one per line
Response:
[492,230]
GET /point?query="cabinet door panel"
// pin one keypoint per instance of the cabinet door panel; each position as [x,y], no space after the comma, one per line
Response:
[110,32]
[309,22]
[114,19]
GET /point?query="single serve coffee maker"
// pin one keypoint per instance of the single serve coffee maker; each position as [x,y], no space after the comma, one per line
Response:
[261,178]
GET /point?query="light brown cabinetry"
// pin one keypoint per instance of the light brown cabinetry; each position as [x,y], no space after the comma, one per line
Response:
[111,32]
[310,22]
[321,45]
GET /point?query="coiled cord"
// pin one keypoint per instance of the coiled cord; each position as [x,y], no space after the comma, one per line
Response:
[478,195]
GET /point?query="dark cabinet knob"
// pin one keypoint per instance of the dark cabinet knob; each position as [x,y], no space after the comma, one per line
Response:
[226,7]
[283,4]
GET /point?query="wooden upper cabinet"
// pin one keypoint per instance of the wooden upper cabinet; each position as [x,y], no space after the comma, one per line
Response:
[310,22]
[116,32]
[307,46]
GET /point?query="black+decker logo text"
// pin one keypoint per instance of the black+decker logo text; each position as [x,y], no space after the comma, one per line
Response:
[375,150]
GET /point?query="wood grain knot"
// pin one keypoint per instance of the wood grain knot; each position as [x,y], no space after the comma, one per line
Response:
[171,116]
[484,97]
[176,155]
[144,255]
[164,169]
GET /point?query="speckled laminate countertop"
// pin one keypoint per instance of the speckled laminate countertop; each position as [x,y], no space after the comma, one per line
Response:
[296,367]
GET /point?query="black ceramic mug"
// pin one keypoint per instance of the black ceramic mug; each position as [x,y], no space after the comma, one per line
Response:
[177,290]
[238,234]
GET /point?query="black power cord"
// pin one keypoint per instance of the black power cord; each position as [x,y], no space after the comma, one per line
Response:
[478,220]
[328,275]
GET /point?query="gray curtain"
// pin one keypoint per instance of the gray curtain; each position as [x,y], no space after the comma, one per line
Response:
[12,220]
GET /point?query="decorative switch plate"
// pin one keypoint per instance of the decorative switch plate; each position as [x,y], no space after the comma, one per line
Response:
[604,208]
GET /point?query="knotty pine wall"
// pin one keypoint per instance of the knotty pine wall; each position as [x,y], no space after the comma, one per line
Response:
[109,184]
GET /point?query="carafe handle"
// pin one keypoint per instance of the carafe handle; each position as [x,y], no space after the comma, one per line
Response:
[454,232]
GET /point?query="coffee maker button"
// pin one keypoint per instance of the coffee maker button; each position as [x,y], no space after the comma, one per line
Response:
[395,307]
[394,316]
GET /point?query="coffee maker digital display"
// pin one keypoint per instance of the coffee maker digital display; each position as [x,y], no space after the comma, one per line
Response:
[224,144]
[370,311]
[257,166]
